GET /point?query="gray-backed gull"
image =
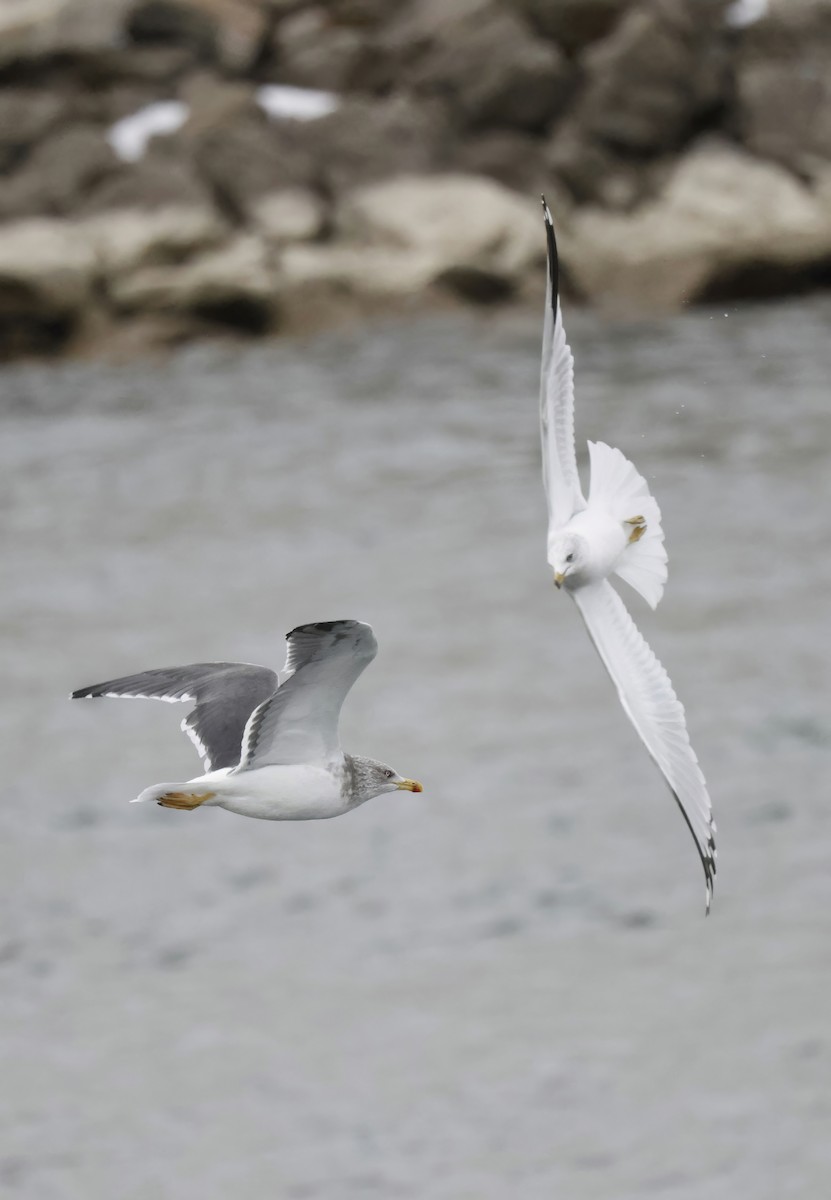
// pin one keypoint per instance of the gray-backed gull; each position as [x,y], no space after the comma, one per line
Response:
[270,751]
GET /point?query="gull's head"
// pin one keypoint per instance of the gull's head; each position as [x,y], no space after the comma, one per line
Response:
[371,778]
[567,556]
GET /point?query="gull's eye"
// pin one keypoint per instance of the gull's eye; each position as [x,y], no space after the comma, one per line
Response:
[388,774]
[569,558]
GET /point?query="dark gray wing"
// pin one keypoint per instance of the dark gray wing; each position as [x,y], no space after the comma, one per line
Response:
[226,694]
[299,723]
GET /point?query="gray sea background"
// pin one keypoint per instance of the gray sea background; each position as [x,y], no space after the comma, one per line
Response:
[506,986]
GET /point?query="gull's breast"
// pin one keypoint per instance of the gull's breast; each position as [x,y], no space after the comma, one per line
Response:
[292,792]
[605,538]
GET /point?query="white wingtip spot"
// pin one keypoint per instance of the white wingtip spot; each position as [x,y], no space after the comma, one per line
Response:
[183,699]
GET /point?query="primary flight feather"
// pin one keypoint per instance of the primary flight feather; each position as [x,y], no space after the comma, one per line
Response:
[617,530]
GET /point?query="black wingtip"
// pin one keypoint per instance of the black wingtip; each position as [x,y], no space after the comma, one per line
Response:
[707,856]
[553,257]
[710,867]
[320,627]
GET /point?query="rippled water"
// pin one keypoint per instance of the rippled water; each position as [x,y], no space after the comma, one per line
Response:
[505,986]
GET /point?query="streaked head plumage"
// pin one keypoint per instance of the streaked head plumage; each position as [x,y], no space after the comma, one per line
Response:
[372,778]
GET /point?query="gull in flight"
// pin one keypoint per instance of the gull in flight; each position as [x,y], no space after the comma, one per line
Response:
[617,530]
[270,751]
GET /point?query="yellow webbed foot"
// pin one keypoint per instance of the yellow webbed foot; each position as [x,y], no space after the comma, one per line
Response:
[638,528]
[184,801]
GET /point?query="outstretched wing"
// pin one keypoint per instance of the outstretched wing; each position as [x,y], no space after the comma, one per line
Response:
[299,723]
[225,694]
[653,708]
[559,460]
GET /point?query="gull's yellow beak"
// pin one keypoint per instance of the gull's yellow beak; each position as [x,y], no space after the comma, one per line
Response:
[558,579]
[409,785]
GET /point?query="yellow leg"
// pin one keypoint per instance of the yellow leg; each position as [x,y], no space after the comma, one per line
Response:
[638,528]
[185,801]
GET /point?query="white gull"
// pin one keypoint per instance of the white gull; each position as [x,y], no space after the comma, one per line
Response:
[617,530]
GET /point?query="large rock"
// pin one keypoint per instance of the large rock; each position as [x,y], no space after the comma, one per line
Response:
[362,14]
[26,116]
[47,268]
[723,216]
[476,56]
[243,27]
[367,140]
[35,29]
[128,240]
[246,160]
[289,215]
[398,237]
[335,45]
[59,173]
[82,48]
[50,258]
[225,32]
[419,24]
[364,272]
[165,177]
[595,173]
[509,156]
[313,51]
[785,115]
[236,150]
[460,219]
[169,22]
[493,72]
[648,86]
[233,286]
[783,84]
[366,46]
[677,52]
[574,24]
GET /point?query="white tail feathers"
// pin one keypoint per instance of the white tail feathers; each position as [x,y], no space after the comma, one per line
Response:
[644,567]
[155,792]
[617,486]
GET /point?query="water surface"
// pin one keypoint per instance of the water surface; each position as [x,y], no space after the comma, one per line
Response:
[504,986]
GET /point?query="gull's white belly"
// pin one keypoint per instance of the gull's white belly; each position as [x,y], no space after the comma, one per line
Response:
[298,792]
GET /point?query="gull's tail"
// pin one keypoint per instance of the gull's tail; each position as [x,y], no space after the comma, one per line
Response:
[184,796]
[618,486]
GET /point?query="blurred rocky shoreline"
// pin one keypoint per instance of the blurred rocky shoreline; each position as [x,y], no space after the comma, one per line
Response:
[177,168]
